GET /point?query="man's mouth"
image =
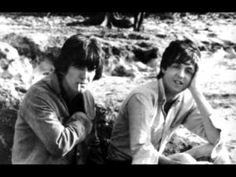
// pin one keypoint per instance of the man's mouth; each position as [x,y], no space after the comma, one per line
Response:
[82,83]
[81,86]
[178,82]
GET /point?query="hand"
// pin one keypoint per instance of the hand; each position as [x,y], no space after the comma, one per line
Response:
[194,84]
[183,158]
[84,119]
[166,160]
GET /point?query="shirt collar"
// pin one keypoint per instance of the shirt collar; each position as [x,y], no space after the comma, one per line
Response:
[53,81]
[161,92]
[162,95]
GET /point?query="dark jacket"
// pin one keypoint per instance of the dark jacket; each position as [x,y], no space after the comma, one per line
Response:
[45,133]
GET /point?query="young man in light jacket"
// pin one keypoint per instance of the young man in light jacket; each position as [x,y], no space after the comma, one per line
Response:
[151,113]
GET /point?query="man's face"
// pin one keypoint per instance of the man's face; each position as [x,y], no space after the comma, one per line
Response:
[177,77]
[77,79]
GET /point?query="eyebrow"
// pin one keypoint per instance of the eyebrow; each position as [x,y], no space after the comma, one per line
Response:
[190,67]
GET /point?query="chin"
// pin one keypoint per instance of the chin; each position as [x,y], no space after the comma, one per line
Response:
[177,91]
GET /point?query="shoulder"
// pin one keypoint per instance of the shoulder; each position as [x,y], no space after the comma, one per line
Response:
[38,89]
[149,90]
[146,93]
[186,95]
[39,93]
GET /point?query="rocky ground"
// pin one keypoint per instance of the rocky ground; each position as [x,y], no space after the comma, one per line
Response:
[131,58]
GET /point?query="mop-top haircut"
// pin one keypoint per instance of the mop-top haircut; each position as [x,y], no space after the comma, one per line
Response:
[180,51]
[80,51]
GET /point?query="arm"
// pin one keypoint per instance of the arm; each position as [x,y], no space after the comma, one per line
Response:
[205,110]
[58,139]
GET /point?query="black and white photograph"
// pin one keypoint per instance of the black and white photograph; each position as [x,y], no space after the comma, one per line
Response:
[147,88]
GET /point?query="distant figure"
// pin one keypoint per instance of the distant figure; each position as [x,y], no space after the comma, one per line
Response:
[121,21]
[150,114]
[57,112]
[138,20]
[110,19]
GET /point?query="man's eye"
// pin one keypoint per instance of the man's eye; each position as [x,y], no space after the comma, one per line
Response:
[46,73]
[189,71]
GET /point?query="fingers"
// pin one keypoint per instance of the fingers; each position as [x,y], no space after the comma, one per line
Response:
[84,119]
[184,158]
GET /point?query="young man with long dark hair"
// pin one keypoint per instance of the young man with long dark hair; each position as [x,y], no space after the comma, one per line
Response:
[57,112]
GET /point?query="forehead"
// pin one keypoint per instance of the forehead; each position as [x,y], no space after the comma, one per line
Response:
[73,72]
[187,64]
[76,68]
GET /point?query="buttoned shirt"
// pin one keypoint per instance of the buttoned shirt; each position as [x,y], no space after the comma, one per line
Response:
[142,128]
[45,133]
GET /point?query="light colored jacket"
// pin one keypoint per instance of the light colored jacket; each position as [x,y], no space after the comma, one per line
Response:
[44,131]
[142,128]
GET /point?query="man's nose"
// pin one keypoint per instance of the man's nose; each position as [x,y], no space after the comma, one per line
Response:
[84,74]
[181,73]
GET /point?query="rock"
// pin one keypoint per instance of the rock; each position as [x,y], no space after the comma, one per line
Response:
[8,52]
[9,97]
[105,120]
[182,140]
[8,55]
[12,65]
[122,71]
[145,55]
[7,122]
[24,45]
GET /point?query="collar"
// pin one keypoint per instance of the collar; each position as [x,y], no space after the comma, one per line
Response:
[161,92]
[162,95]
[54,83]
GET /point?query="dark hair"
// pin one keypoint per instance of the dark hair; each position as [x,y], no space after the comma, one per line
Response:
[180,51]
[80,51]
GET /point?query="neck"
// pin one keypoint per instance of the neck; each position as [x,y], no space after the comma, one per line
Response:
[171,97]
